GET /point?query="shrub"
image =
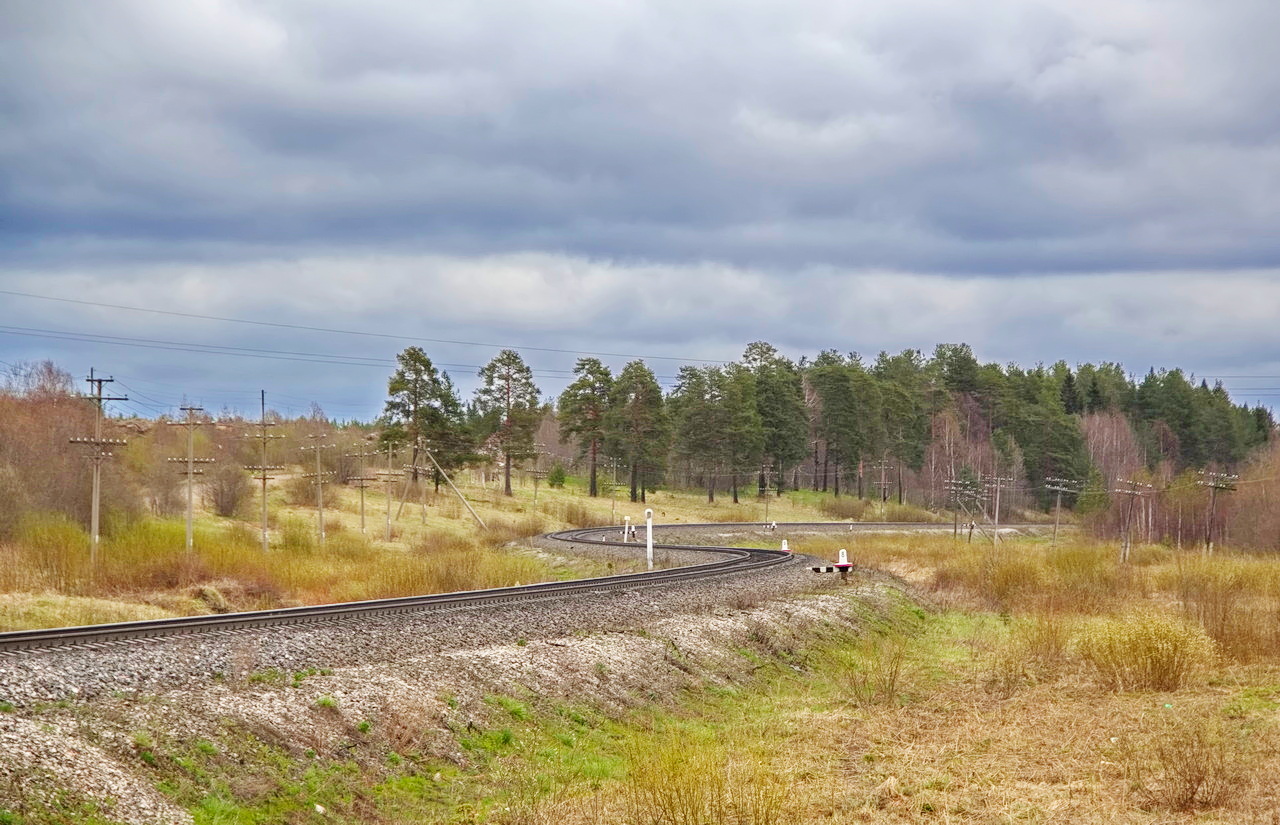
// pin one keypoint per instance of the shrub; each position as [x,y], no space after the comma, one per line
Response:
[16,501]
[226,489]
[907,512]
[844,508]
[1181,763]
[1007,577]
[876,676]
[580,515]
[557,476]
[300,491]
[1146,651]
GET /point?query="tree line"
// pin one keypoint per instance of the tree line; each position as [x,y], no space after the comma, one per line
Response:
[902,424]
[836,423]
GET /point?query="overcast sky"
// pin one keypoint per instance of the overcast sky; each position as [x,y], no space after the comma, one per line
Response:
[1044,179]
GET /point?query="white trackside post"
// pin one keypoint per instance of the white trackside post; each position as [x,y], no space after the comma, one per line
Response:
[785,548]
[844,557]
[626,527]
[648,537]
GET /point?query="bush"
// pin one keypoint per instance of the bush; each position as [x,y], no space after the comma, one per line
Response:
[226,489]
[300,491]
[844,508]
[1008,577]
[907,512]
[16,502]
[1182,763]
[557,476]
[580,515]
[1146,651]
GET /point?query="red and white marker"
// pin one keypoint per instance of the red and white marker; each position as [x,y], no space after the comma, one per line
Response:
[843,566]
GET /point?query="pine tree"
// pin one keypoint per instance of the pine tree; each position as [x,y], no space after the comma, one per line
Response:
[508,399]
[743,438]
[423,409]
[780,402]
[636,425]
[583,407]
[697,414]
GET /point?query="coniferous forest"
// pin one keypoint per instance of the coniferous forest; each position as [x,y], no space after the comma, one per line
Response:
[937,431]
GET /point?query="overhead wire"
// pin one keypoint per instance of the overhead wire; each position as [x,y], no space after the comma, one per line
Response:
[338,331]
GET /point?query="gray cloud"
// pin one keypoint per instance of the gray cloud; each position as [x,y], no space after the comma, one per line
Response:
[993,137]
[1084,179]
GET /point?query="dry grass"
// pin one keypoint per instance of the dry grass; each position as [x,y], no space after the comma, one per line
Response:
[149,558]
[1180,763]
[907,728]
[436,547]
[676,778]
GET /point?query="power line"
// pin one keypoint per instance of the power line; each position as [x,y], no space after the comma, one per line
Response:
[244,352]
[334,331]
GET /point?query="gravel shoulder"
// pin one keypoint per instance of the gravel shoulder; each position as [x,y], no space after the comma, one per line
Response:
[421,676]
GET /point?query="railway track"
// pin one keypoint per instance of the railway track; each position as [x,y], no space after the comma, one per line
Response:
[723,560]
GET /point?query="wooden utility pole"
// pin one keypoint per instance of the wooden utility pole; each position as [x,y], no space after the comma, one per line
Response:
[97,454]
[362,480]
[318,479]
[388,477]
[263,468]
[962,492]
[883,484]
[997,483]
[1216,482]
[1133,489]
[1060,486]
[190,471]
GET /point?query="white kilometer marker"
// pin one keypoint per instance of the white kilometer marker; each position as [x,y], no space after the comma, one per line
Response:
[648,537]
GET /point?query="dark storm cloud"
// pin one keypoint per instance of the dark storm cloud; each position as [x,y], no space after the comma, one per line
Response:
[996,136]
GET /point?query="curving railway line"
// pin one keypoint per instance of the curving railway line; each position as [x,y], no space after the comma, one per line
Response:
[723,560]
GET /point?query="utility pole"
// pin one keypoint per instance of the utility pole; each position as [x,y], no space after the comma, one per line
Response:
[883,483]
[962,492]
[318,477]
[415,470]
[1133,489]
[1060,486]
[1216,482]
[97,454]
[191,461]
[263,468]
[389,477]
[361,480]
[997,483]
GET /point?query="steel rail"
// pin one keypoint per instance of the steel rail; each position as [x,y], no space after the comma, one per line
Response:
[731,560]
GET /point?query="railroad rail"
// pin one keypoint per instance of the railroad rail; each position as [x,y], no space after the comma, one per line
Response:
[725,560]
